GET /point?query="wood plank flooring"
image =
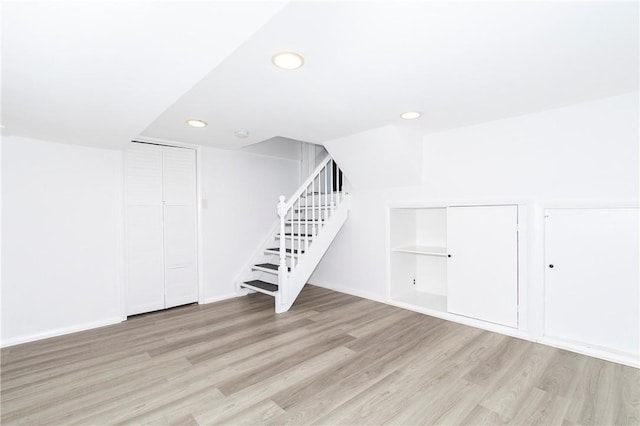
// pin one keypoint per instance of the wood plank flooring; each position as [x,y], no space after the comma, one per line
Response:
[333,359]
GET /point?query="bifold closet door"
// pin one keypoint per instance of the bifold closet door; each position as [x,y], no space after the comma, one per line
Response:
[591,277]
[161,228]
[144,234]
[180,226]
[482,270]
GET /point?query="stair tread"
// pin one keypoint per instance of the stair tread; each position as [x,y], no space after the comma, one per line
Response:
[288,234]
[317,206]
[286,250]
[271,266]
[321,193]
[263,285]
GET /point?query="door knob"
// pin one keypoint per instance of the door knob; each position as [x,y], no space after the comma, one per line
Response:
[551,266]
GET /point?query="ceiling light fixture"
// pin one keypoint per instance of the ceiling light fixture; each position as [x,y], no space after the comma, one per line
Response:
[411,115]
[196,123]
[287,60]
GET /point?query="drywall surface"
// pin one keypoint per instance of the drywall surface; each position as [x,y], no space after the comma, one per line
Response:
[61,242]
[62,228]
[384,157]
[587,151]
[582,153]
[241,192]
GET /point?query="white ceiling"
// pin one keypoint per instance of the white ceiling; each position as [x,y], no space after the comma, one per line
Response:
[98,72]
[107,72]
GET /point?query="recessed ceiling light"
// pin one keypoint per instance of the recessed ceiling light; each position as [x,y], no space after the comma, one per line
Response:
[287,60]
[196,123]
[411,115]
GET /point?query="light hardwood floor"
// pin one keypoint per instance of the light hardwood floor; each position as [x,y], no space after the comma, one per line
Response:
[333,359]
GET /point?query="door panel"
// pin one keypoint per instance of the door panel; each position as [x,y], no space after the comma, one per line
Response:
[181,283]
[482,272]
[145,280]
[179,176]
[592,291]
[144,174]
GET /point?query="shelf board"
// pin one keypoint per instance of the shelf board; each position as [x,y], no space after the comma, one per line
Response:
[426,250]
[421,299]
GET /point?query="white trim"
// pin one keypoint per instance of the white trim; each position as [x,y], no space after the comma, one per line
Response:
[596,352]
[496,328]
[352,292]
[170,142]
[199,224]
[587,204]
[122,236]
[165,142]
[222,297]
[457,202]
[60,331]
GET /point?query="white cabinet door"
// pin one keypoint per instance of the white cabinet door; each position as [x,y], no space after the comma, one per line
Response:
[482,270]
[592,290]
[181,282]
[144,241]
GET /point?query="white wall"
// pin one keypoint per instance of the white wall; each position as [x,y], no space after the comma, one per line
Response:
[587,151]
[582,153]
[61,238]
[242,193]
[389,156]
[62,224]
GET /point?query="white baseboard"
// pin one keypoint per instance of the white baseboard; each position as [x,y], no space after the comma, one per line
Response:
[601,353]
[221,297]
[59,332]
[352,292]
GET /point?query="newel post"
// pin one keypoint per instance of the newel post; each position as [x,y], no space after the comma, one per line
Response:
[282,268]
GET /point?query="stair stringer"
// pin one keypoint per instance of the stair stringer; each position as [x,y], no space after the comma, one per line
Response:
[256,257]
[296,280]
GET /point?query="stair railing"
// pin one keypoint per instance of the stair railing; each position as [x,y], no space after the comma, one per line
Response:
[306,212]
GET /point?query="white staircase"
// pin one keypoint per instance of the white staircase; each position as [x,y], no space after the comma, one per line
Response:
[309,221]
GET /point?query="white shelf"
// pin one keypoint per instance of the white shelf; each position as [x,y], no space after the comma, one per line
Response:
[424,300]
[426,250]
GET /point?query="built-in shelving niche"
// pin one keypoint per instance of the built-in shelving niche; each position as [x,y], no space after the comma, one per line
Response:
[418,255]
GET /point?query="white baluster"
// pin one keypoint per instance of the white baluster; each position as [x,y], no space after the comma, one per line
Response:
[326,189]
[314,229]
[333,184]
[282,268]
[305,226]
[298,234]
[292,236]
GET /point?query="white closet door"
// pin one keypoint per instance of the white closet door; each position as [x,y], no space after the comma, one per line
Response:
[181,281]
[144,245]
[592,291]
[482,272]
